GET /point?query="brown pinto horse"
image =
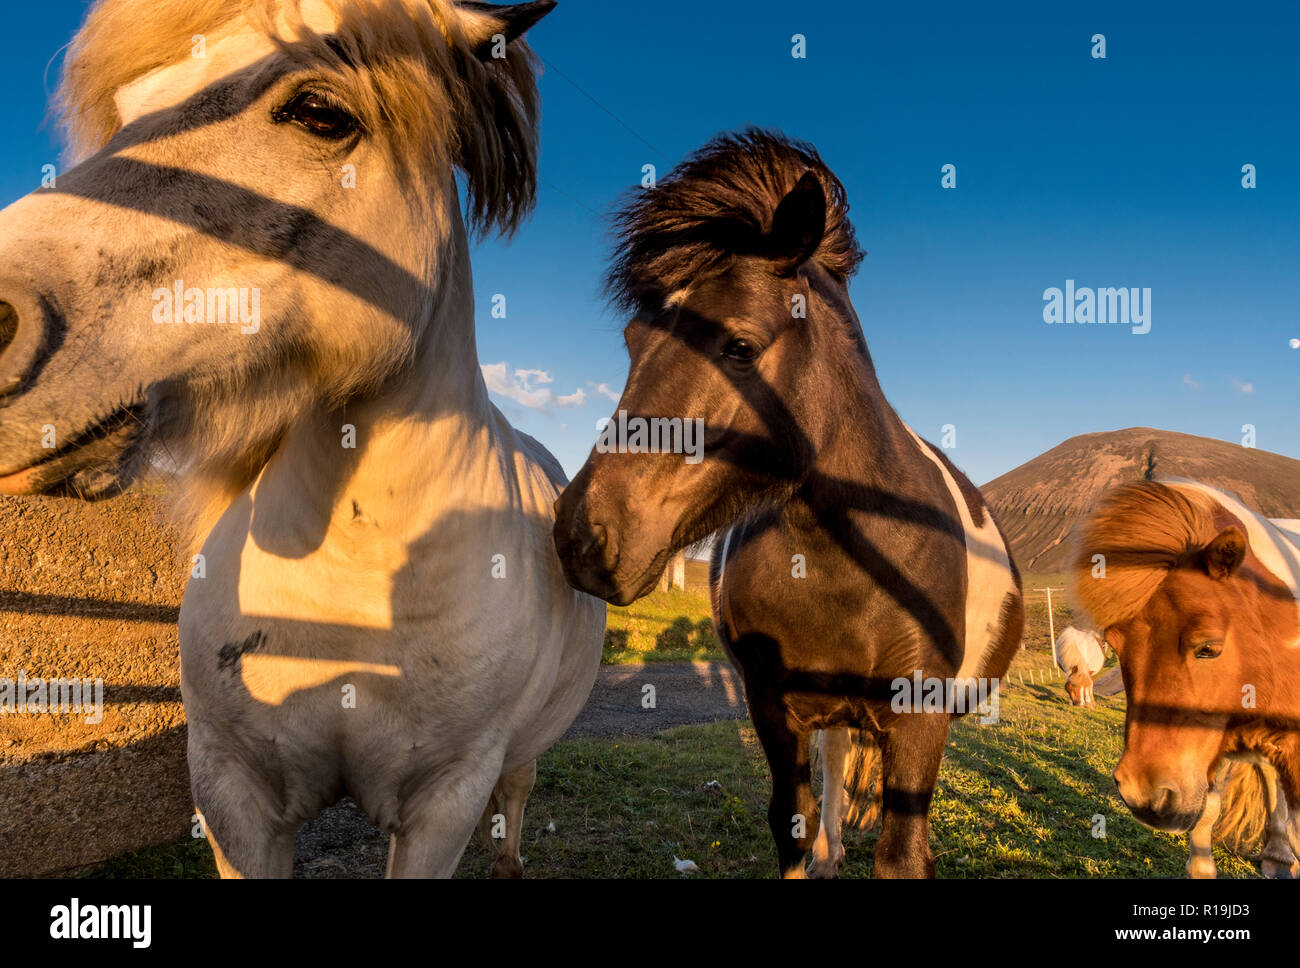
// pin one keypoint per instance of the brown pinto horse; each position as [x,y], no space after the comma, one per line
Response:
[852,558]
[1200,598]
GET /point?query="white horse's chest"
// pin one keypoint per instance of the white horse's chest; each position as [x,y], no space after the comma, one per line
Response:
[398,626]
[366,604]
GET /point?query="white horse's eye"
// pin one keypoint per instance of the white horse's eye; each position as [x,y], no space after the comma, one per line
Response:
[318,114]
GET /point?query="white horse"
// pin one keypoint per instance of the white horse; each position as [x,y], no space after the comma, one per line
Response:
[1079,654]
[260,270]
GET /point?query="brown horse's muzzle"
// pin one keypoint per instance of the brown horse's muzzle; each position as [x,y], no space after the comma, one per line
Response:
[598,556]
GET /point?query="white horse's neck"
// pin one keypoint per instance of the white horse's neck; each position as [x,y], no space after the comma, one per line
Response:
[444,377]
[426,445]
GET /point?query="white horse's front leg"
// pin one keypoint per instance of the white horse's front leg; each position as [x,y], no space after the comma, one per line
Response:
[1200,863]
[241,817]
[439,819]
[509,798]
[828,850]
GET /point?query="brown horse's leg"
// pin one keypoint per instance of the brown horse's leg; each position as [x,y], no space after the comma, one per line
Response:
[792,813]
[912,750]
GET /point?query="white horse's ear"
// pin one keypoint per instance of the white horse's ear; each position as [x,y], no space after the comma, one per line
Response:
[489,23]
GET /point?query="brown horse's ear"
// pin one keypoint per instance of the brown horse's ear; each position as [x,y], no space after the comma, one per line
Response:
[799,222]
[1224,555]
[502,23]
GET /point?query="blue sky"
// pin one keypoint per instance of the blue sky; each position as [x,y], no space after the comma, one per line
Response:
[1122,172]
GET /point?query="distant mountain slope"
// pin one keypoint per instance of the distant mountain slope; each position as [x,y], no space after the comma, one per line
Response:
[1039,503]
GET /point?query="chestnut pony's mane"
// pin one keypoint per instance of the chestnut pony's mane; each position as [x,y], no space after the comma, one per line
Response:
[1144,530]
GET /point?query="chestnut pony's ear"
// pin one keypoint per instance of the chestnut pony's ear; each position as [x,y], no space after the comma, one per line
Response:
[1224,555]
[799,223]
[510,21]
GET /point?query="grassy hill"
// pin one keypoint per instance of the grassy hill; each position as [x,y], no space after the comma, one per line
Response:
[1039,503]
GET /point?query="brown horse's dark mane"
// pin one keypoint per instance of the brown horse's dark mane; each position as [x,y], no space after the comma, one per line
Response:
[714,206]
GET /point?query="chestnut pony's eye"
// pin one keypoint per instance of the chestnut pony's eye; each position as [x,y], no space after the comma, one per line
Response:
[318,114]
[1208,649]
[739,349]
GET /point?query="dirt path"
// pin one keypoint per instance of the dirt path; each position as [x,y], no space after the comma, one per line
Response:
[682,692]
[342,842]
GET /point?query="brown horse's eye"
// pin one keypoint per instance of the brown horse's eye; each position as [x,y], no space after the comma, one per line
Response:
[319,114]
[740,349]
[1208,649]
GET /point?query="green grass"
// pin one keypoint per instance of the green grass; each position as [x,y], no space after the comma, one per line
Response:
[189,860]
[1017,798]
[671,626]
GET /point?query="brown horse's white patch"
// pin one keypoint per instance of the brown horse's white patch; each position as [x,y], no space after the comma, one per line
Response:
[989,576]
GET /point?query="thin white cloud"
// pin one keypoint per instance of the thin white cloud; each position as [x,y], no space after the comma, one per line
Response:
[1189,381]
[533,376]
[527,387]
[1241,386]
[605,391]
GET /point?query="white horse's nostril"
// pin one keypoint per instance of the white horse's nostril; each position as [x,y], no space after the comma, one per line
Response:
[8,325]
[8,333]
[24,319]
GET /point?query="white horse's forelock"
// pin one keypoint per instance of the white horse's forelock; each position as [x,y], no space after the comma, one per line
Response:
[419,75]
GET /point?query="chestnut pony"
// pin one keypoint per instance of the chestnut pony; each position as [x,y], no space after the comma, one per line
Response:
[851,555]
[1200,598]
